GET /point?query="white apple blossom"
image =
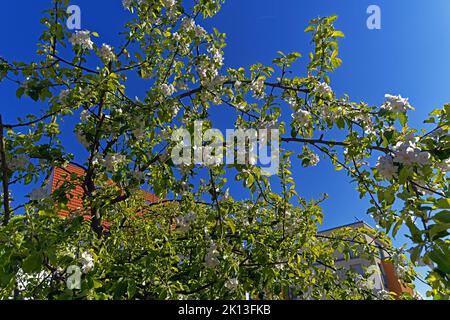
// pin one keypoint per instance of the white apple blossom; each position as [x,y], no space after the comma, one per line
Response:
[26,83]
[232,284]
[183,223]
[187,24]
[113,161]
[292,102]
[302,117]
[200,32]
[83,39]
[444,166]
[63,95]
[226,195]
[172,13]
[257,86]
[128,4]
[438,133]
[217,55]
[211,259]
[323,89]
[326,112]
[167,89]
[396,104]
[84,115]
[106,53]
[386,167]
[169,3]
[209,159]
[207,70]
[423,158]
[87,261]
[382,294]
[407,153]
[81,137]
[314,159]
[181,85]
[138,132]
[176,36]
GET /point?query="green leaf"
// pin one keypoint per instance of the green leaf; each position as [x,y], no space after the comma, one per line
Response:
[443,217]
[131,289]
[441,259]
[231,224]
[338,34]
[436,229]
[32,263]
[442,203]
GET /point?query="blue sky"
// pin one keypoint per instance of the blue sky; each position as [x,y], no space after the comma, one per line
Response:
[408,56]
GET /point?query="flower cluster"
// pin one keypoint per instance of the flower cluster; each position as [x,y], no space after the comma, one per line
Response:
[84,116]
[382,295]
[217,55]
[314,160]
[398,260]
[113,161]
[81,137]
[257,86]
[167,89]
[323,89]
[63,95]
[184,222]
[405,153]
[444,166]
[232,284]
[169,4]
[128,4]
[302,118]
[438,133]
[211,259]
[106,53]
[396,104]
[386,167]
[188,25]
[139,130]
[83,39]
[87,261]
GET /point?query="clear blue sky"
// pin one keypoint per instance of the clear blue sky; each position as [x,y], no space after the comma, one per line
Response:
[408,56]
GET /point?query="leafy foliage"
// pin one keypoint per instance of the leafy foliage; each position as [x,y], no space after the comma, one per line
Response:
[221,247]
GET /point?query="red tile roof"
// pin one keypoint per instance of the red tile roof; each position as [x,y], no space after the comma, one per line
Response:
[75,198]
[61,175]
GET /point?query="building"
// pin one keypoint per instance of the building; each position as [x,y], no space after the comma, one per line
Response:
[383,274]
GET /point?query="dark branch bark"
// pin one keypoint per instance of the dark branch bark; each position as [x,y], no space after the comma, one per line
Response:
[5,182]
